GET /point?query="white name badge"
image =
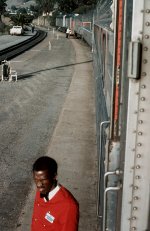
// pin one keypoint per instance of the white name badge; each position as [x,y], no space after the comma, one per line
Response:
[49,217]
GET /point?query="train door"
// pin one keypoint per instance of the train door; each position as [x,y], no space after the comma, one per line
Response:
[136,181]
[113,172]
[108,149]
[102,116]
[110,160]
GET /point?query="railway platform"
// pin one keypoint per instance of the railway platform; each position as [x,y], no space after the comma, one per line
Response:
[73,143]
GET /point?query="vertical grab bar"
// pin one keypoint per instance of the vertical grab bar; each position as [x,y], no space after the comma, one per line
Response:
[117,188]
[117,173]
[99,159]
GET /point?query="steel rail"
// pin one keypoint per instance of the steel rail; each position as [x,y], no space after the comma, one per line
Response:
[12,51]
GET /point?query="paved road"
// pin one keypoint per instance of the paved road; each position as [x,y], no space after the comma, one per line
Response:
[7,40]
[36,114]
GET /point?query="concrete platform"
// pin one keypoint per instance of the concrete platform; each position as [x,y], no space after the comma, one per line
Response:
[73,144]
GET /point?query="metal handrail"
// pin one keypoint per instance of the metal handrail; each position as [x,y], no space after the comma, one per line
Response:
[117,172]
[117,188]
[99,159]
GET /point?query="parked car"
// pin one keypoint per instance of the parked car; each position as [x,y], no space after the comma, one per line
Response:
[16,30]
[62,29]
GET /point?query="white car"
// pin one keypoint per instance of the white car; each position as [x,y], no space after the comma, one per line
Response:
[16,30]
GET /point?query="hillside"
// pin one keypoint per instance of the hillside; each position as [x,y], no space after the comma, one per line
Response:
[19,3]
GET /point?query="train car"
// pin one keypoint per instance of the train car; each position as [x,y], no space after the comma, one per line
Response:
[119,35]
[61,23]
[65,21]
[121,47]
[80,25]
[69,22]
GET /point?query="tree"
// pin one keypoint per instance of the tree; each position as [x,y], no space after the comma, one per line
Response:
[64,6]
[35,10]
[22,11]
[2,8]
[21,19]
[69,6]
[88,2]
[13,8]
[46,6]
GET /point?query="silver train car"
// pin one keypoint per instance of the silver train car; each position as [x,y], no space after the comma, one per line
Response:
[80,25]
[121,56]
[119,34]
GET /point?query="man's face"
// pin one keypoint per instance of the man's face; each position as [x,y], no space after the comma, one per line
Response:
[43,181]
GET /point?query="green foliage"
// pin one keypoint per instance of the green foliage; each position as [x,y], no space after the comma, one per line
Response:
[22,11]
[65,6]
[69,6]
[53,18]
[83,9]
[2,10]
[4,29]
[88,2]
[46,6]
[2,6]
[35,10]
[21,19]
[13,7]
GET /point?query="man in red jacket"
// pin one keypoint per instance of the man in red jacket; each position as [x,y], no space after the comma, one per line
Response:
[55,208]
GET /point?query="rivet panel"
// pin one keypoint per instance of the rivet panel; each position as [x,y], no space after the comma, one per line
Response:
[138,131]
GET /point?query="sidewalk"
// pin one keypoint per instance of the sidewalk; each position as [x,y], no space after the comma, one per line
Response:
[73,144]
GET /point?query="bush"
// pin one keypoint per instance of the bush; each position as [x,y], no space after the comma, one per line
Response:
[4,29]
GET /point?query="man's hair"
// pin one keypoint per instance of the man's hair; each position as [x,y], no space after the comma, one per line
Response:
[46,163]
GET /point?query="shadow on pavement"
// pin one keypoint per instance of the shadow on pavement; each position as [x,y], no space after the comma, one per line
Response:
[30,75]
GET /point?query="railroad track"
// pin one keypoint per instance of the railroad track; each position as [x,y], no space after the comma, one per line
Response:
[11,52]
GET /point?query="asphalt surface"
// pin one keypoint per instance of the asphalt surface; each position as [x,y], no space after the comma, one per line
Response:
[7,40]
[35,118]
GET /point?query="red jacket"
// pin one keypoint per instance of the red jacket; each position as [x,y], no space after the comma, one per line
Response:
[61,213]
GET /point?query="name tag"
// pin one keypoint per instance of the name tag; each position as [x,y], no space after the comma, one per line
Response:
[49,217]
